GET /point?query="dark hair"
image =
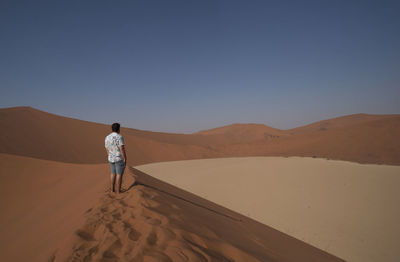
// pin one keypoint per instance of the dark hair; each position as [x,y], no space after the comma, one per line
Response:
[115,127]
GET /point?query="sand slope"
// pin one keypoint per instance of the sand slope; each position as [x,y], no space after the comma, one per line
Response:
[154,221]
[47,136]
[240,133]
[54,211]
[360,138]
[348,209]
[338,122]
[42,202]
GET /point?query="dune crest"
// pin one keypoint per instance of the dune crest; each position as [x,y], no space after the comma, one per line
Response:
[240,133]
[358,138]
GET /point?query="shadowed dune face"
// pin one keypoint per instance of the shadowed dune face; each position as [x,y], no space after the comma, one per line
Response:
[361,138]
[154,221]
[29,132]
[347,209]
[42,202]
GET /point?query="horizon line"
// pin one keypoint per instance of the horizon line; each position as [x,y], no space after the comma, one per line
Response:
[194,133]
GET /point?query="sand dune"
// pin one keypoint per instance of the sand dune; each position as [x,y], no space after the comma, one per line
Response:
[46,136]
[338,122]
[376,141]
[240,133]
[60,212]
[154,221]
[347,209]
[54,204]
[359,138]
[42,202]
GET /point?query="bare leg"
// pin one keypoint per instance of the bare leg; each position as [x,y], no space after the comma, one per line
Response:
[118,183]
[112,182]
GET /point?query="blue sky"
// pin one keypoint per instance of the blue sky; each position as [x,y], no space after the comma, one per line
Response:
[184,66]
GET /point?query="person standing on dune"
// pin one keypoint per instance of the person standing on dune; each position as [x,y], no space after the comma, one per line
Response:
[115,148]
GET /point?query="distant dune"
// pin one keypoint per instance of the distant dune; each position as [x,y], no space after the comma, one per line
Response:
[339,122]
[360,138]
[29,132]
[347,209]
[239,133]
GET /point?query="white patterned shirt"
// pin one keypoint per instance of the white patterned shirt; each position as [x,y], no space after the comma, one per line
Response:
[112,142]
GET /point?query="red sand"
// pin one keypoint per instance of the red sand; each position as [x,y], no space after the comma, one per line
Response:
[358,138]
[60,212]
[44,202]
[154,221]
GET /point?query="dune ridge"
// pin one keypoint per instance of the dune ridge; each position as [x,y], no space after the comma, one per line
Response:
[359,138]
[240,133]
[155,221]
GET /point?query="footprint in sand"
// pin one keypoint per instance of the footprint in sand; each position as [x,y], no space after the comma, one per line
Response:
[152,238]
[110,252]
[134,235]
[126,225]
[109,226]
[116,216]
[92,251]
[87,236]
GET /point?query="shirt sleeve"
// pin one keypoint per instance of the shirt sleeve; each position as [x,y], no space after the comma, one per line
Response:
[121,141]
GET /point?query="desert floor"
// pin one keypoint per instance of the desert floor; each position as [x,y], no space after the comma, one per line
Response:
[347,209]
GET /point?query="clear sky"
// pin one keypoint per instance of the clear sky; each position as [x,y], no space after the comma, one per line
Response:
[184,66]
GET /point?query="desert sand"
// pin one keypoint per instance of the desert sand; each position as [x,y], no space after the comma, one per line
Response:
[359,138]
[60,212]
[154,221]
[347,209]
[54,204]
[42,202]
